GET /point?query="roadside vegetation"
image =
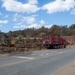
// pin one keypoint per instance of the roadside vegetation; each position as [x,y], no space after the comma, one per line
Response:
[29,39]
[55,29]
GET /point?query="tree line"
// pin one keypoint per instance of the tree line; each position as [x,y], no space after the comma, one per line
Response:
[55,29]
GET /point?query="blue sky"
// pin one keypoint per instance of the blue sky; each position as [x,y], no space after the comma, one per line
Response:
[22,14]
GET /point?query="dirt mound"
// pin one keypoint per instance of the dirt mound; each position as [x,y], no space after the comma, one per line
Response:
[26,45]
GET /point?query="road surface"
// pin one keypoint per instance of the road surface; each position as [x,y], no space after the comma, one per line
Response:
[45,62]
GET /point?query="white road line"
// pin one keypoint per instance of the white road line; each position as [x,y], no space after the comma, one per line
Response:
[24,57]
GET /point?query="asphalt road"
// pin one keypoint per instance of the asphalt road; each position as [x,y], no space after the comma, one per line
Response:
[43,62]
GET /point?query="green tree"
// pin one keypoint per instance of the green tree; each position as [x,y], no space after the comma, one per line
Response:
[64,30]
[20,37]
[72,29]
[41,34]
[55,29]
[28,36]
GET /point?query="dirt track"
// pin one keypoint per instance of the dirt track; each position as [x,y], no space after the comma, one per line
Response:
[66,70]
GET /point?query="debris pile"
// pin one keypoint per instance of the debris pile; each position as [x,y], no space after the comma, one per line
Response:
[26,45]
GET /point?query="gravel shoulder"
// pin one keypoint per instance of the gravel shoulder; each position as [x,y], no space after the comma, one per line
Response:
[66,70]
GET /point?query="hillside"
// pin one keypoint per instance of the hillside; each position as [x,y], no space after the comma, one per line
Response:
[29,39]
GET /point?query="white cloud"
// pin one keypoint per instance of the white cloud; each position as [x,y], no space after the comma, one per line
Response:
[3,21]
[35,25]
[32,1]
[29,20]
[15,17]
[42,22]
[4,16]
[19,26]
[38,26]
[59,6]
[24,19]
[48,26]
[15,6]
[73,11]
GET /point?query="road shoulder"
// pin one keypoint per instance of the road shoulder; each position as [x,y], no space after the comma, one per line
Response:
[69,69]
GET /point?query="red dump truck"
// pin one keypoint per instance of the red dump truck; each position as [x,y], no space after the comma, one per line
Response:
[53,41]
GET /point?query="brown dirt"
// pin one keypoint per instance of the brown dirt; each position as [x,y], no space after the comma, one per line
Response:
[71,46]
[23,46]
